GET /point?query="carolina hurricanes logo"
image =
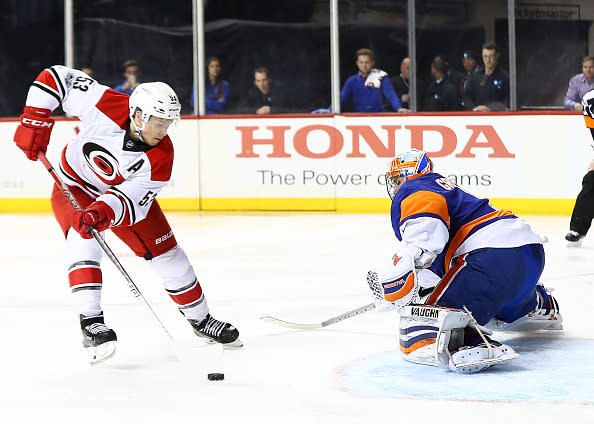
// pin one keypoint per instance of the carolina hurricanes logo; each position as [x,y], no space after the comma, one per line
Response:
[103,163]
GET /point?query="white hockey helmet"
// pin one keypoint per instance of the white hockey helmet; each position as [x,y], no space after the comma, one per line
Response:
[154,99]
[404,166]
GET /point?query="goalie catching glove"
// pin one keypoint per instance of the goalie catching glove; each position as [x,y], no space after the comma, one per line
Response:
[394,285]
[33,134]
[98,216]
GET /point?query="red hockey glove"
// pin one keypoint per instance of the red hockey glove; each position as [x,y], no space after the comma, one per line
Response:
[98,215]
[33,134]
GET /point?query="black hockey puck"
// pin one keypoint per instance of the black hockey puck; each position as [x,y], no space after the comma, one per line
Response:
[216,376]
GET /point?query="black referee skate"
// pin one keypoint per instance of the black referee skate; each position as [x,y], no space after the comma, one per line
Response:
[574,239]
[215,331]
[97,338]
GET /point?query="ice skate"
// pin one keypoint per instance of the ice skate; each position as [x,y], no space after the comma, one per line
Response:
[574,239]
[215,331]
[545,316]
[98,339]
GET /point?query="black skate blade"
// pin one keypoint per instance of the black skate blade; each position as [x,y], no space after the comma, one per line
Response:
[101,353]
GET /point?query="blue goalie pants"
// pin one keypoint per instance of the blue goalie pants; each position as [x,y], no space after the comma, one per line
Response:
[492,282]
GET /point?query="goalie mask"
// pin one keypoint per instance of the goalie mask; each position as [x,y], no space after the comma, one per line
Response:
[404,166]
[154,99]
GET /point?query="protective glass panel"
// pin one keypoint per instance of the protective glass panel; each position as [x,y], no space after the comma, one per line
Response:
[451,60]
[380,26]
[126,43]
[551,41]
[32,38]
[287,42]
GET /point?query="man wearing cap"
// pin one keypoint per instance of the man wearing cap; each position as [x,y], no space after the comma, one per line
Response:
[470,65]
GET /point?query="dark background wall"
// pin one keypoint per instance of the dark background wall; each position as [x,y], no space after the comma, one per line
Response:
[290,38]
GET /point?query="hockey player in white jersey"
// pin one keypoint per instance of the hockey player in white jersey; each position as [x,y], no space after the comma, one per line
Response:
[462,265]
[115,167]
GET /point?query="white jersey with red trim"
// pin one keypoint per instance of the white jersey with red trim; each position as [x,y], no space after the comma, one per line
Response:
[103,160]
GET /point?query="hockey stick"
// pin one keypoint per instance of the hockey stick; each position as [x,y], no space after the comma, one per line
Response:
[330,321]
[133,288]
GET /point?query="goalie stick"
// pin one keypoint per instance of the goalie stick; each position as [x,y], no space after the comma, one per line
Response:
[133,288]
[313,326]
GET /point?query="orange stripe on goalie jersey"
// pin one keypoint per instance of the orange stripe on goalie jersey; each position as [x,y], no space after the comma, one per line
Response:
[85,276]
[424,202]
[446,280]
[463,232]
[417,345]
[589,122]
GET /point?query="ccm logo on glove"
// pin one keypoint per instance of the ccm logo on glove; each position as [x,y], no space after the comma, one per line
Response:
[36,123]
[33,134]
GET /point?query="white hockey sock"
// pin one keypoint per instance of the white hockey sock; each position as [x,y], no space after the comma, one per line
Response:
[181,283]
[84,274]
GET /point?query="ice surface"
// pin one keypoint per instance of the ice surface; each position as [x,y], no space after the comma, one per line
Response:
[298,267]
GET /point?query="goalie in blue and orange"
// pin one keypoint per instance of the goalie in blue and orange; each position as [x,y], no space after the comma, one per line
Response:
[464,253]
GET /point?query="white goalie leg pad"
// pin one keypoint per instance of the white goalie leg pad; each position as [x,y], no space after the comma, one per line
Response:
[527,324]
[476,358]
[181,283]
[428,332]
[429,335]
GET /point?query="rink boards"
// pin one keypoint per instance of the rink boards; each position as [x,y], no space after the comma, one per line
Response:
[531,163]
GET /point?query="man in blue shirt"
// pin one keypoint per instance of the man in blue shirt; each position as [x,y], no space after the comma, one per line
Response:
[132,73]
[368,88]
[580,84]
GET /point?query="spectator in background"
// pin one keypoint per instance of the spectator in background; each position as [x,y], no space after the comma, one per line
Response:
[470,65]
[469,62]
[454,76]
[131,71]
[580,84]
[88,70]
[400,82]
[441,95]
[366,88]
[217,90]
[260,97]
[487,89]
